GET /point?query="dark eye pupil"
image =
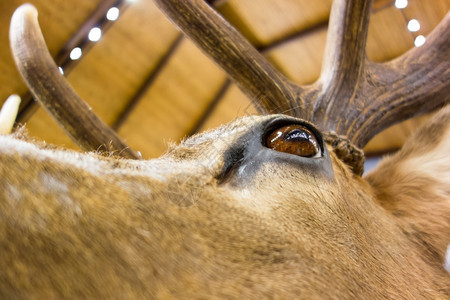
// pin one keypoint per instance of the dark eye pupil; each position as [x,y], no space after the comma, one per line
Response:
[293,139]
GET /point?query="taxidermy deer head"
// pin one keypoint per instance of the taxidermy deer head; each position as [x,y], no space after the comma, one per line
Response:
[267,206]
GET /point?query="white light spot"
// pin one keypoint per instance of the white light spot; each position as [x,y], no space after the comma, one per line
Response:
[113,14]
[420,40]
[400,4]
[61,70]
[95,34]
[76,53]
[413,25]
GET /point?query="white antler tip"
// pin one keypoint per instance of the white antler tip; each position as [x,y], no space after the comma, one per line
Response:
[23,14]
[8,114]
[26,8]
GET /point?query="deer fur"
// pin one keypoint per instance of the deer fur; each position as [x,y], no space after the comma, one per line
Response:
[220,216]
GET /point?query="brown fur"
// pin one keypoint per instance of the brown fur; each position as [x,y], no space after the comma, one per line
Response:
[82,226]
[414,186]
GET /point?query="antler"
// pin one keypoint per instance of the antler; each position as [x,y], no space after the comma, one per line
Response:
[343,66]
[415,83]
[47,84]
[370,96]
[374,96]
[256,77]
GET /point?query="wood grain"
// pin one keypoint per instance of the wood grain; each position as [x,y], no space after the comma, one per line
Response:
[267,87]
[171,106]
[264,22]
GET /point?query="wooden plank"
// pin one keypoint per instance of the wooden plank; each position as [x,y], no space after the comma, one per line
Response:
[388,33]
[177,99]
[388,36]
[394,137]
[301,59]
[233,105]
[428,13]
[43,128]
[399,41]
[265,21]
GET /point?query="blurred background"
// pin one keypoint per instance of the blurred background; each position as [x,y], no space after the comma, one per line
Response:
[153,86]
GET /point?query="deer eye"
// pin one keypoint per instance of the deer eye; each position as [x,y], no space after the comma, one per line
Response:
[294,139]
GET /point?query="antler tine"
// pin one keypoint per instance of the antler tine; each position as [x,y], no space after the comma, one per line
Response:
[413,84]
[52,90]
[343,64]
[375,96]
[269,90]
[345,55]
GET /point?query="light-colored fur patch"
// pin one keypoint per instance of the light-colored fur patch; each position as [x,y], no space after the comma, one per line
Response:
[414,186]
[447,259]
[434,164]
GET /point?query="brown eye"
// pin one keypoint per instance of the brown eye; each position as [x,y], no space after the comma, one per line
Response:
[294,139]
